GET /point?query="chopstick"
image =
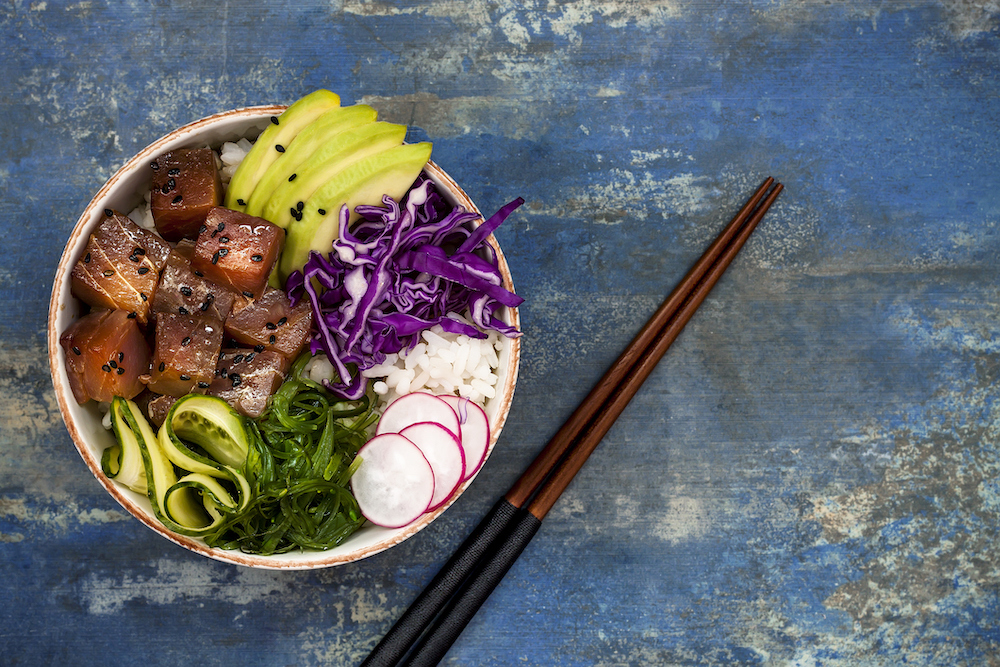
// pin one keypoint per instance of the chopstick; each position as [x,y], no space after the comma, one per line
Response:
[455,594]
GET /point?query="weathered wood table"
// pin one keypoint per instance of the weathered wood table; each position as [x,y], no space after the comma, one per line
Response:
[809,477]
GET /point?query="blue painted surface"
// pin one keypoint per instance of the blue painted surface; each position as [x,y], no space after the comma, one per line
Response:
[809,477]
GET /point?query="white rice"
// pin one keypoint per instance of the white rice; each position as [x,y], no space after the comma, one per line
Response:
[442,363]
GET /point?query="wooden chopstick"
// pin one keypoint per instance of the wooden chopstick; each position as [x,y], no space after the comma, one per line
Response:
[477,567]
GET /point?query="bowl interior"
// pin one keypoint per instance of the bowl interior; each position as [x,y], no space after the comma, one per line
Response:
[123,192]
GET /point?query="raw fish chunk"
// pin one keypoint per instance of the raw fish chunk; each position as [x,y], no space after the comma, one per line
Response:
[186,184]
[106,353]
[184,292]
[237,250]
[185,353]
[246,379]
[270,323]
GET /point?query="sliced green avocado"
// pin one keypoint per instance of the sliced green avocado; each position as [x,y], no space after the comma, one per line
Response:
[365,181]
[325,163]
[308,140]
[272,142]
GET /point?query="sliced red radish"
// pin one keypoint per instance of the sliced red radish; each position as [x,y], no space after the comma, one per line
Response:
[444,452]
[475,432]
[394,483]
[415,408]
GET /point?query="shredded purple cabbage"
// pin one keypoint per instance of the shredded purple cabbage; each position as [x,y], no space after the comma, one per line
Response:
[399,271]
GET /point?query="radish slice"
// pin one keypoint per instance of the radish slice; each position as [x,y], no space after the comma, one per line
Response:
[394,483]
[415,408]
[444,452]
[475,432]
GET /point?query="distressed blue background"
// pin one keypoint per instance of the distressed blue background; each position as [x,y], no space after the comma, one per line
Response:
[810,476]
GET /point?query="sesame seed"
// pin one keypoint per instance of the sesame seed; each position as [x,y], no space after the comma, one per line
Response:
[133,315]
[143,295]
[186,341]
[86,260]
[220,227]
[223,239]
[322,211]
[274,119]
[174,172]
[271,326]
[182,310]
[165,190]
[163,366]
[154,165]
[171,183]
[223,252]
[271,339]
[300,205]
[292,177]
[135,259]
[178,199]
[143,270]
[121,371]
[185,290]
[238,358]
[77,351]
[215,257]
[106,368]
[257,258]
[247,294]
[199,274]
[108,212]
[258,348]
[282,321]
[113,363]
[202,384]
[185,378]
[121,356]
[202,229]
[241,202]
[109,273]
[249,357]
[236,379]
[279,148]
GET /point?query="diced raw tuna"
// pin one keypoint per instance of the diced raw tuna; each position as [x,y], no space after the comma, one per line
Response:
[106,354]
[185,186]
[246,379]
[158,407]
[120,267]
[185,354]
[237,250]
[184,292]
[270,323]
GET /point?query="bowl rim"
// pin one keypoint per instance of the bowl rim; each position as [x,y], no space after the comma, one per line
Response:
[182,137]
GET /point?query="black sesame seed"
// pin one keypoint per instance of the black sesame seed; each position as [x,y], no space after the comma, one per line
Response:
[163,366]
[322,211]
[177,200]
[292,177]
[300,205]
[135,259]
[77,351]
[165,190]
[223,252]
[154,165]
[186,291]
[199,274]
[106,368]
[271,339]
[202,384]
[282,321]
[138,251]
[223,373]
[182,310]
[143,270]
[256,258]
[143,295]
[171,183]
[174,172]
[271,326]
[113,363]
[202,229]
[258,348]
[249,357]
[294,211]
[215,257]
[185,378]
[223,239]
[279,148]
[121,371]
[108,212]
[274,119]
[86,259]
[133,315]
[238,358]
[220,227]
[248,295]
[241,202]
[236,379]
[108,273]
[186,341]
[121,356]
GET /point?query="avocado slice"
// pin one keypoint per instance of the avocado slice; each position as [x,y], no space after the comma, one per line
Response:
[311,137]
[272,142]
[325,163]
[365,181]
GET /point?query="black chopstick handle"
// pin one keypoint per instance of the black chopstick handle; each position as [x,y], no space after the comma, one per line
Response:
[401,636]
[467,601]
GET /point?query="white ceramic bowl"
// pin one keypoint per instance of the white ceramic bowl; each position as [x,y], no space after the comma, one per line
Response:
[123,192]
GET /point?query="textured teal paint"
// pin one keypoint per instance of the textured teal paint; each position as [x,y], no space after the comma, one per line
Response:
[809,477]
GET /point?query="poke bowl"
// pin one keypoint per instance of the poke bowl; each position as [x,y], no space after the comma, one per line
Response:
[87,421]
